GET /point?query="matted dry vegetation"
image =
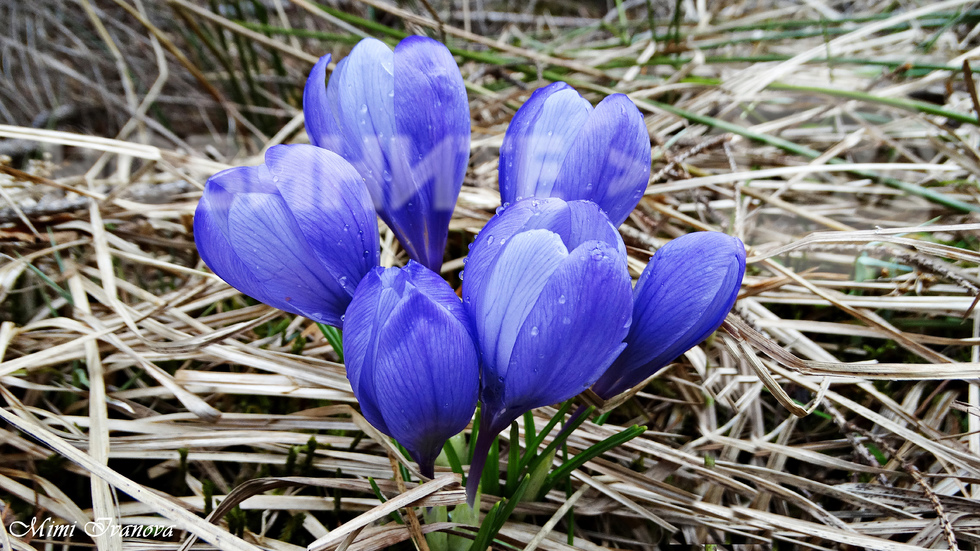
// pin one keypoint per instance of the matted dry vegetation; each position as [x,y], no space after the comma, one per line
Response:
[837,407]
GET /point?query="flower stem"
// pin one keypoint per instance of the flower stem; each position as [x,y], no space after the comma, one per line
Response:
[483,442]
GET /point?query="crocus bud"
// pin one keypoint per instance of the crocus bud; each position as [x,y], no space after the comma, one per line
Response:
[682,297]
[402,119]
[411,358]
[297,233]
[558,146]
[547,288]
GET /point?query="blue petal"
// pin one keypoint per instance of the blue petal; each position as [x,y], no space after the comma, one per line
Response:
[518,276]
[427,376]
[682,297]
[265,236]
[360,95]
[575,222]
[373,303]
[211,236]
[573,332]
[333,211]
[319,114]
[435,287]
[411,358]
[537,140]
[430,151]
[609,161]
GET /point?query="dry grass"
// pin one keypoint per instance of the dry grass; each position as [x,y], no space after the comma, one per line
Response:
[838,407]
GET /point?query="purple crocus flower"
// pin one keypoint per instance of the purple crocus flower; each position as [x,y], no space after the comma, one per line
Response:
[411,358]
[402,119]
[297,233]
[682,297]
[548,291]
[558,146]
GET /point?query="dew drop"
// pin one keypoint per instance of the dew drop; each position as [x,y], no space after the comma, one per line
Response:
[566,320]
[346,227]
[534,332]
[561,299]
[461,275]
[499,210]
[597,254]
[342,316]
[490,240]
[363,109]
[275,179]
[550,133]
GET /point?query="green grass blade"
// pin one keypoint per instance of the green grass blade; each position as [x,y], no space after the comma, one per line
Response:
[334,337]
[589,453]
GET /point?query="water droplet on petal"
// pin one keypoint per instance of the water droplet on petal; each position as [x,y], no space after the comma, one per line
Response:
[566,320]
[363,108]
[342,316]
[561,299]
[461,275]
[490,240]
[534,332]
[346,227]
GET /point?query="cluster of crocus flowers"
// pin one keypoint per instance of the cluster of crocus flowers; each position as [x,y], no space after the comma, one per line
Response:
[547,307]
